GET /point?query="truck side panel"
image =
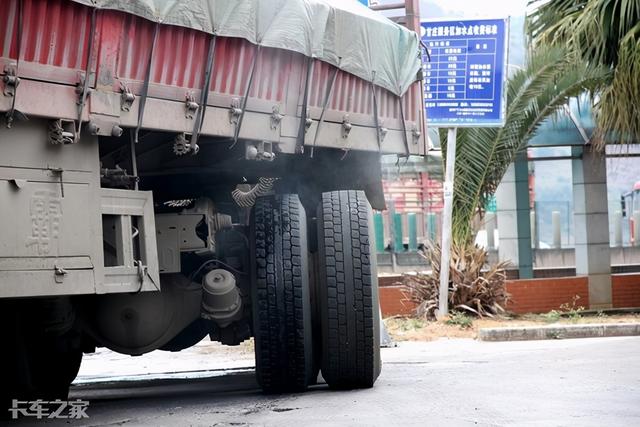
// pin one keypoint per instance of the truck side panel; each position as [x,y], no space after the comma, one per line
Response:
[50,237]
[54,52]
[55,39]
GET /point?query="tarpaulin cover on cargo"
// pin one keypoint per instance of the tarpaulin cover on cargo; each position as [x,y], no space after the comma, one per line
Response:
[343,33]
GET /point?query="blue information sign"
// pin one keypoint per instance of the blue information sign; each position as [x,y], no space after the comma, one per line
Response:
[364,2]
[464,81]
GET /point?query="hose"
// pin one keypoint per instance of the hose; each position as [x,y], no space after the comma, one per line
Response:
[246,199]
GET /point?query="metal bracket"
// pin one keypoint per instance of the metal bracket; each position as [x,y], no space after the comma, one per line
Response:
[276,117]
[93,128]
[117,177]
[59,273]
[126,97]
[204,95]
[190,105]
[382,131]
[19,183]
[59,172]
[416,134]
[346,126]
[61,132]
[262,150]
[11,81]
[80,87]
[235,111]
[308,121]
[141,270]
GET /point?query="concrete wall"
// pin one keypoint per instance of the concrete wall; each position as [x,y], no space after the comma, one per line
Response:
[543,259]
[551,258]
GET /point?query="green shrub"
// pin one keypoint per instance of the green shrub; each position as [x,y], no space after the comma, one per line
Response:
[552,316]
[411,324]
[572,311]
[457,318]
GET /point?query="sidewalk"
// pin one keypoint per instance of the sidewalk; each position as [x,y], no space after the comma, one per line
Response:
[559,332]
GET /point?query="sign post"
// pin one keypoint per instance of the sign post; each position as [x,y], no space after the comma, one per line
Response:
[445,260]
[465,75]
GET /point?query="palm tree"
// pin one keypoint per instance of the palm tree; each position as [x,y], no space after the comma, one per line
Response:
[483,155]
[598,33]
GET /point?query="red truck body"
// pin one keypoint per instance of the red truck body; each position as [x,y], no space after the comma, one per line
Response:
[54,57]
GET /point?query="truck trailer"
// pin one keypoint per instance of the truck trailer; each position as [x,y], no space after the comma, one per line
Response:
[172,170]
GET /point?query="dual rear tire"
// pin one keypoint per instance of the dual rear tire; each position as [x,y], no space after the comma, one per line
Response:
[281,303]
[346,345]
[348,291]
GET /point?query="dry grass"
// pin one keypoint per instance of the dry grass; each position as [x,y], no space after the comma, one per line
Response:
[474,286]
[414,329]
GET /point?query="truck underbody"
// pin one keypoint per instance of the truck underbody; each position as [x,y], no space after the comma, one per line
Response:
[145,223]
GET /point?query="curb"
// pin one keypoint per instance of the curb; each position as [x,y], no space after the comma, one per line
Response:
[559,332]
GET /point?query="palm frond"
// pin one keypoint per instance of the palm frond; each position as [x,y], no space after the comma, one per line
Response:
[598,33]
[484,154]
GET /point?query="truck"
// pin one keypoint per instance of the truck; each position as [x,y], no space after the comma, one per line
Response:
[176,170]
[629,206]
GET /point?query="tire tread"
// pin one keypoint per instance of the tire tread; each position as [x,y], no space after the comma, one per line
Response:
[282,315]
[350,355]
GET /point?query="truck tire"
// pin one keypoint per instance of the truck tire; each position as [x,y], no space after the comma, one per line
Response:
[348,291]
[35,364]
[54,370]
[281,301]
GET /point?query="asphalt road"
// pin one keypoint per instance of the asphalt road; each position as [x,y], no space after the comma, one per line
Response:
[580,382]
